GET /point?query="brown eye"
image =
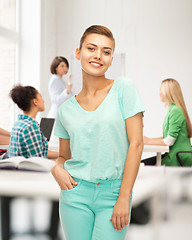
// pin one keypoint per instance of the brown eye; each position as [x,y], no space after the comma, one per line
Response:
[106,53]
[91,49]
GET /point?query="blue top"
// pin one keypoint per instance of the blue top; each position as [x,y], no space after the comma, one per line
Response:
[98,139]
[27,139]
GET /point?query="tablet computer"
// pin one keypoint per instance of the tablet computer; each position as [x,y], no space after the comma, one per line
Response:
[46,126]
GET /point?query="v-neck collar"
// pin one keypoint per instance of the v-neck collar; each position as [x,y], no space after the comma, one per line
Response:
[74,100]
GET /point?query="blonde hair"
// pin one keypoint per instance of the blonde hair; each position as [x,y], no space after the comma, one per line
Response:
[173,94]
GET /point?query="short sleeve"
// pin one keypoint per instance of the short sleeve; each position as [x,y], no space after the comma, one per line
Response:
[130,100]
[60,130]
[176,119]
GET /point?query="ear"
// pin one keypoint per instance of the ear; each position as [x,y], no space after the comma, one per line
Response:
[35,102]
[77,54]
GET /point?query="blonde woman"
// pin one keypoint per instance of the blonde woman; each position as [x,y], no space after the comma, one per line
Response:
[177,129]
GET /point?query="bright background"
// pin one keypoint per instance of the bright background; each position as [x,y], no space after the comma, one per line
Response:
[154,35]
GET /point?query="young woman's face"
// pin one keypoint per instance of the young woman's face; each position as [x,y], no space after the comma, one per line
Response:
[61,69]
[96,54]
[40,102]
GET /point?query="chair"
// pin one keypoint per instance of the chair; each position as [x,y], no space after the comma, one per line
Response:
[179,159]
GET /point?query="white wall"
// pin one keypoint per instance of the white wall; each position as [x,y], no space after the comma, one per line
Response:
[49,36]
[155,36]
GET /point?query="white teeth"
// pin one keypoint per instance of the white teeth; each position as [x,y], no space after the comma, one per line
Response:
[95,64]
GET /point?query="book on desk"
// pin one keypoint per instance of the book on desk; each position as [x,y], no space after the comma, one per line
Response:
[28,164]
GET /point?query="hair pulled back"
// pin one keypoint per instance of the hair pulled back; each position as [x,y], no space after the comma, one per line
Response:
[97,29]
[55,63]
[22,96]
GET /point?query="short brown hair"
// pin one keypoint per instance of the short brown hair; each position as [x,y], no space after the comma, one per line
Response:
[55,63]
[97,29]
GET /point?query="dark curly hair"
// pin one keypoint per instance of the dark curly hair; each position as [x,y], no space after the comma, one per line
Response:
[22,96]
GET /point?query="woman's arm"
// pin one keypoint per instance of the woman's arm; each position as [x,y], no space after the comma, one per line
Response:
[4,132]
[134,127]
[154,141]
[52,155]
[62,177]
[4,140]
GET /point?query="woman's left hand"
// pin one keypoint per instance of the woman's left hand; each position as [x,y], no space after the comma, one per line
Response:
[121,211]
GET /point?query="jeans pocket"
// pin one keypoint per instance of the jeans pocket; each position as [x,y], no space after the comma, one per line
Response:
[75,187]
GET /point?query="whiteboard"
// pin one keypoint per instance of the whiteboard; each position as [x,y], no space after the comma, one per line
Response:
[117,69]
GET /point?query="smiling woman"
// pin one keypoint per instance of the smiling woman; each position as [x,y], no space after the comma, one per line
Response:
[96,54]
[101,141]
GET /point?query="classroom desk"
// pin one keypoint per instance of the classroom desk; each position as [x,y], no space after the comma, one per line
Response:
[158,149]
[39,184]
[54,146]
[34,182]
[28,184]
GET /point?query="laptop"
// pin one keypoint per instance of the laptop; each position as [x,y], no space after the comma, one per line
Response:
[46,126]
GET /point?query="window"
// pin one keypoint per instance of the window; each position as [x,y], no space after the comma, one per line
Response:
[8,46]
[7,77]
[8,14]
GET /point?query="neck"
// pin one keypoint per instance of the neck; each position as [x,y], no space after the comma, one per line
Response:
[168,104]
[32,113]
[59,75]
[92,84]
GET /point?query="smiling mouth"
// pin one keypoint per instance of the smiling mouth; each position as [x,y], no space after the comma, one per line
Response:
[96,64]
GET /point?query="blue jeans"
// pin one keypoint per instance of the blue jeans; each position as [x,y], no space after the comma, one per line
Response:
[86,209]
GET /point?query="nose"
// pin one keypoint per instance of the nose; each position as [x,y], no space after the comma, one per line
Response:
[98,54]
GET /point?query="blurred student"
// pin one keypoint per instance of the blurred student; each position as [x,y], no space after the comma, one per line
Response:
[59,91]
[26,139]
[4,137]
[177,129]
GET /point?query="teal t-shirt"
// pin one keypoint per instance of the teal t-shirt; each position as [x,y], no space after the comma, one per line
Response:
[98,139]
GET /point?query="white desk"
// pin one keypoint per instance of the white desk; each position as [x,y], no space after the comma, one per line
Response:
[54,146]
[38,184]
[20,183]
[158,149]
[28,184]
[150,182]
